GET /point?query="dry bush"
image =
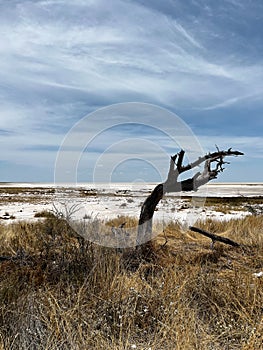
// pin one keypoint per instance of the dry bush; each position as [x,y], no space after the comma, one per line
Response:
[61,292]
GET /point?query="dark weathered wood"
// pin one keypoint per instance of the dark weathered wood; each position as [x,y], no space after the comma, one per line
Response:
[215,156]
[6,258]
[146,215]
[172,184]
[215,237]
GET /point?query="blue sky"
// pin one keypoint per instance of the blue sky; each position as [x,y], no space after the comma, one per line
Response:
[61,60]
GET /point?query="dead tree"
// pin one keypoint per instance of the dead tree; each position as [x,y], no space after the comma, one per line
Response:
[213,165]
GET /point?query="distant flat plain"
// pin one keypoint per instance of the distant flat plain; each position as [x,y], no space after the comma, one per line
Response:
[21,201]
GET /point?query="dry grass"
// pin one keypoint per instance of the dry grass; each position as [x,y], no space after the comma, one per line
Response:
[60,292]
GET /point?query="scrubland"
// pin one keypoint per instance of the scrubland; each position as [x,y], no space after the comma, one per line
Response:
[58,291]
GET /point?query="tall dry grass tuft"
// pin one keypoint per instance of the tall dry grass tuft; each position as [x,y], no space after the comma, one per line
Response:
[61,292]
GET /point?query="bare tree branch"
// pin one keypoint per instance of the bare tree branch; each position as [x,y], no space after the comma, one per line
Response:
[199,179]
[173,185]
[213,157]
[180,160]
[215,237]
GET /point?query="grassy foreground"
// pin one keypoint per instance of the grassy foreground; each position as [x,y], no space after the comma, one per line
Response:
[59,292]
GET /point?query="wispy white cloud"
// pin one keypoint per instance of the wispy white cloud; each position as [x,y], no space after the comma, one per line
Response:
[230,101]
[59,60]
[176,27]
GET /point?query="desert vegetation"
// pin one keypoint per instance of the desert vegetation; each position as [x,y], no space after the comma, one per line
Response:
[24,194]
[58,291]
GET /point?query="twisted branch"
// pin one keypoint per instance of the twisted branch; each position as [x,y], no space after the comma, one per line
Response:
[173,185]
[199,179]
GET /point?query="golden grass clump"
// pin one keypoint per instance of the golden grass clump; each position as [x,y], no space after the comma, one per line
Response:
[58,291]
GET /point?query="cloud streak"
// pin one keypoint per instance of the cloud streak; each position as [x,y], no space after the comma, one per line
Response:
[61,60]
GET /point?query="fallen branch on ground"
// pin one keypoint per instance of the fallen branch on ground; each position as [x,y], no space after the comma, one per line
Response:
[215,237]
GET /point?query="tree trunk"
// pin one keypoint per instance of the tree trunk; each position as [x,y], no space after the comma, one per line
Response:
[146,216]
[144,233]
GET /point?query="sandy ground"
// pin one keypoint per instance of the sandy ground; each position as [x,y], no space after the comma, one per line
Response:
[21,201]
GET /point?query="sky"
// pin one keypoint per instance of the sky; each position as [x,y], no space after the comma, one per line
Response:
[64,64]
